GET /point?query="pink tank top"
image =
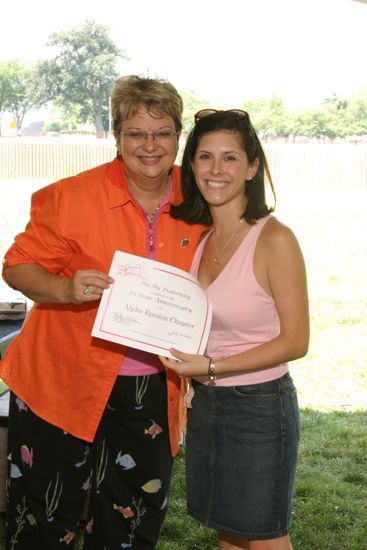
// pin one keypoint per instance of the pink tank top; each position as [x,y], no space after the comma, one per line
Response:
[244,315]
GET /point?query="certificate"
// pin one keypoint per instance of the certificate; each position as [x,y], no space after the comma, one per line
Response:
[153,307]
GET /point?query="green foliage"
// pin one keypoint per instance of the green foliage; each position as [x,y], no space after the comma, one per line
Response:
[6,72]
[64,119]
[19,90]
[81,74]
[358,111]
[268,116]
[333,119]
[23,96]
[52,127]
[309,122]
[336,117]
[193,104]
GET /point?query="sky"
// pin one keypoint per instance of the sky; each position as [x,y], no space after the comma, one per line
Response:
[226,51]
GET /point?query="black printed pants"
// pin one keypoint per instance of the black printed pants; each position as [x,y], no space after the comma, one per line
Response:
[124,474]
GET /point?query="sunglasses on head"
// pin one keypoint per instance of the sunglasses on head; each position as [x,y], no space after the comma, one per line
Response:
[206,112]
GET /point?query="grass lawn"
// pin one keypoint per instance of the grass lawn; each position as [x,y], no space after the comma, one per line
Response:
[330,497]
[330,510]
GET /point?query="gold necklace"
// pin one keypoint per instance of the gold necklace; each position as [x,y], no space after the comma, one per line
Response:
[217,257]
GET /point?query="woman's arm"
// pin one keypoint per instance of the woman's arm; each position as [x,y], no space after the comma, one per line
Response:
[284,275]
[44,287]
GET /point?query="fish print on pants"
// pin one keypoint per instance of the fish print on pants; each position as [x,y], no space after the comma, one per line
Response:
[68,537]
[152,486]
[126,512]
[31,519]
[87,483]
[126,461]
[21,406]
[27,455]
[14,471]
[142,383]
[154,429]
[89,526]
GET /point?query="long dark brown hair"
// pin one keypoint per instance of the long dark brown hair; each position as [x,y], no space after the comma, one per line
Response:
[194,208]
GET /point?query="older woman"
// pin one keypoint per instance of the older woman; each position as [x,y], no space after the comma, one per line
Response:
[87,413]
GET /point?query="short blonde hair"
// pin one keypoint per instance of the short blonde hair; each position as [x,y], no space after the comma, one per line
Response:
[157,95]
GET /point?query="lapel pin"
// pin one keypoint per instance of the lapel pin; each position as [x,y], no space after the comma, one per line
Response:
[184,242]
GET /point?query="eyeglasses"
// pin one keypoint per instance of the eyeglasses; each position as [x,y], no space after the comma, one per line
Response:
[206,112]
[137,136]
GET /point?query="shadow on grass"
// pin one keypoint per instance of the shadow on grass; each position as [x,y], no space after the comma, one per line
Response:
[330,511]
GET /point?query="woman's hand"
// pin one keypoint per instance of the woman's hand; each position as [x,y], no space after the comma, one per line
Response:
[44,287]
[85,285]
[187,364]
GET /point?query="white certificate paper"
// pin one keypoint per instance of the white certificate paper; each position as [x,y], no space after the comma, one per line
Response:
[153,307]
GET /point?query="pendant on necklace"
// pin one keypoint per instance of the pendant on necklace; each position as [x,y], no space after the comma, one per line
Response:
[220,253]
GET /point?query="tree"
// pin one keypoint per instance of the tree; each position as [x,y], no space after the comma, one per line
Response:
[358,111]
[24,94]
[192,104]
[333,119]
[337,115]
[308,123]
[61,121]
[19,90]
[5,76]
[268,116]
[82,72]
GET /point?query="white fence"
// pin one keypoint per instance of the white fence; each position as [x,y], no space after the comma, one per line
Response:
[42,159]
[324,165]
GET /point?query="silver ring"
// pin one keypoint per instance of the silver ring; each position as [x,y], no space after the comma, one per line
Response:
[87,291]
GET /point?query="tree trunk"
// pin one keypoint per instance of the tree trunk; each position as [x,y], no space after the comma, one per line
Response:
[100,133]
[18,121]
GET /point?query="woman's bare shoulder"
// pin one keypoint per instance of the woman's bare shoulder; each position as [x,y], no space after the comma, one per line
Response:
[277,235]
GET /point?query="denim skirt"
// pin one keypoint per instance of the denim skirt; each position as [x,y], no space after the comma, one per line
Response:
[241,455]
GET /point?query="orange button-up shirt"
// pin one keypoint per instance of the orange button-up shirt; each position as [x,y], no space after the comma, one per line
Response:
[54,365]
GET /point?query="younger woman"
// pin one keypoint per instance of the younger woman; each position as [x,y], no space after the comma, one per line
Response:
[243,424]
